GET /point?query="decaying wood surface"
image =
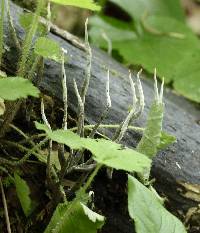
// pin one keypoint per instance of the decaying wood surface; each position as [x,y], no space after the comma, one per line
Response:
[177,169]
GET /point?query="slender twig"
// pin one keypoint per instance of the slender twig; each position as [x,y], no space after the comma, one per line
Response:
[82,168]
[5,207]
[20,147]
[80,123]
[44,118]
[26,156]
[30,152]
[21,133]
[32,137]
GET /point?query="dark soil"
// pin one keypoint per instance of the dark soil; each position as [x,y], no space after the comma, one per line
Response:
[110,198]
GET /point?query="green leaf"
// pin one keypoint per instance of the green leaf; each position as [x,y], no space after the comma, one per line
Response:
[26,20]
[116,30]
[114,155]
[165,140]
[74,217]
[164,42]
[148,213]
[48,48]
[186,75]
[88,4]
[13,88]
[105,152]
[176,59]
[42,127]
[163,52]
[137,8]
[23,193]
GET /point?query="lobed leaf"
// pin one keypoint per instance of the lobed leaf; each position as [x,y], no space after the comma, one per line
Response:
[165,140]
[13,88]
[105,152]
[164,41]
[26,20]
[48,48]
[74,217]
[88,4]
[23,193]
[148,213]
[115,30]
[137,8]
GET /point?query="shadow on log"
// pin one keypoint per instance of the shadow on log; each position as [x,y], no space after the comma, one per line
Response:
[177,169]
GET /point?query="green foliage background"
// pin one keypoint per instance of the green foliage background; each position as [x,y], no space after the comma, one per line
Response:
[157,36]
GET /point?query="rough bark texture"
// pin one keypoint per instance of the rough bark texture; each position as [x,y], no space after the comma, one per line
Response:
[174,168]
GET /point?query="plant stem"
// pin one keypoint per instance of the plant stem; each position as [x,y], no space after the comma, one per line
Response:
[28,40]
[89,127]
[20,147]
[91,177]
[24,159]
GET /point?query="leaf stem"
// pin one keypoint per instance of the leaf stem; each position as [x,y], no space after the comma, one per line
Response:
[91,177]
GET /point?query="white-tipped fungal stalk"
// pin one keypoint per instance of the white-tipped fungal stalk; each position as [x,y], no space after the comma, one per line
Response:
[108,106]
[88,64]
[108,99]
[80,123]
[64,87]
[136,109]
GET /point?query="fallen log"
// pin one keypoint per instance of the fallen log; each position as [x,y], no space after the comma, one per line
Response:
[176,169]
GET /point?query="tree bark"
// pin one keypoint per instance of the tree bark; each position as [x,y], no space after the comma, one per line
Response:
[176,169]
